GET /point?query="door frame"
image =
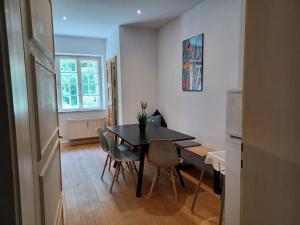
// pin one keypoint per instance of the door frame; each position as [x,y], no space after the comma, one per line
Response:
[10,199]
[114,88]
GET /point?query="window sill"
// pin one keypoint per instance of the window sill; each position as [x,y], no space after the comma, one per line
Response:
[81,110]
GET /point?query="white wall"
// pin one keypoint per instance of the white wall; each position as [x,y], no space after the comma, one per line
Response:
[81,46]
[113,45]
[112,50]
[138,51]
[201,114]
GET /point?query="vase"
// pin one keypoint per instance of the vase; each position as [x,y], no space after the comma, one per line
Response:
[142,128]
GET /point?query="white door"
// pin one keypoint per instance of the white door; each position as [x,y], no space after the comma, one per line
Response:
[271,129]
[233,181]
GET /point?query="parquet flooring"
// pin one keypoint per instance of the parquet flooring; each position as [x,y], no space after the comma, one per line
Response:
[87,200]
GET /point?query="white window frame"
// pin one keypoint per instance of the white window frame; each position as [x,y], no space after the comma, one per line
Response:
[58,81]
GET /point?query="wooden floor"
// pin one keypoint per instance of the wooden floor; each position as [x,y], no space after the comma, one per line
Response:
[87,200]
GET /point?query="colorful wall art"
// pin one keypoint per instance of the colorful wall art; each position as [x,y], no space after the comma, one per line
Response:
[192,63]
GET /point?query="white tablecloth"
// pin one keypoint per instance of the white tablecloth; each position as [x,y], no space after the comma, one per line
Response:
[217,160]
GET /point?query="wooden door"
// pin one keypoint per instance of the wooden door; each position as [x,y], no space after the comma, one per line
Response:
[33,78]
[112,91]
[271,130]
[41,80]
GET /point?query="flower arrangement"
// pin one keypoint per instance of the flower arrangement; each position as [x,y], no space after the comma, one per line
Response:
[142,117]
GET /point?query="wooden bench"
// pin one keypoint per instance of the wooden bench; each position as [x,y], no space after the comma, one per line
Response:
[200,151]
[186,144]
[182,145]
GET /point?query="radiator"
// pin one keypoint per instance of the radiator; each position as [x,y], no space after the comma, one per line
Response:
[83,128]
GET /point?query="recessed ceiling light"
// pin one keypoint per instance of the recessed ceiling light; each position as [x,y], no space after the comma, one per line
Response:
[64,18]
[139,11]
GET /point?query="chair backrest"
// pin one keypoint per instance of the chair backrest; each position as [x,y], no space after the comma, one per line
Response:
[102,139]
[111,145]
[163,153]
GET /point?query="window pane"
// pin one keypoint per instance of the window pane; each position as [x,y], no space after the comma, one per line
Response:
[91,89]
[89,66]
[66,102]
[74,101]
[70,102]
[85,79]
[94,89]
[69,83]
[91,102]
[90,78]
[73,79]
[85,89]
[73,89]
[68,65]
[65,89]
[65,79]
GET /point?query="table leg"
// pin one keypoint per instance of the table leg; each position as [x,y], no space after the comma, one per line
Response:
[217,183]
[177,168]
[178,151]
[141,172]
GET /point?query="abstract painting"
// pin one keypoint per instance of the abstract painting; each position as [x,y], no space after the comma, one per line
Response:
[192,63]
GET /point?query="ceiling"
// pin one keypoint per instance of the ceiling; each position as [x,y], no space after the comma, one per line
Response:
[99,18]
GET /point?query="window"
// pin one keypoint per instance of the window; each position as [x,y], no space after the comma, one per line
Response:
[78,83]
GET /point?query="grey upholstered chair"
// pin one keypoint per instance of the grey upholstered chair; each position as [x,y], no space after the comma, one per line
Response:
[104,146]
[163,154]
[127,157]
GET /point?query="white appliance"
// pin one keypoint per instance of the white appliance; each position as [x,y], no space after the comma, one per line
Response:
[233,156]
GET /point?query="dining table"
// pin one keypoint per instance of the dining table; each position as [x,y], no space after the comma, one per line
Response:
[132,136]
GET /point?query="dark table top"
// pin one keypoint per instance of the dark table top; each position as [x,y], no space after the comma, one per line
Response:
[131,134]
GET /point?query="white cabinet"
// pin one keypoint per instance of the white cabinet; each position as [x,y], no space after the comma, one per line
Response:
[233,156]
[234,113]
[83,128]
[233,181]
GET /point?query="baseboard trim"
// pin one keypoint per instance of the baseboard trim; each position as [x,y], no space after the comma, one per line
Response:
[79,141]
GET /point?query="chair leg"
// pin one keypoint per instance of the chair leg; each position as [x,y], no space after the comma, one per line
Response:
[158,176]
[115,176]
[135,169]
[153,182]
[198,188]
[174,184]
[109,163]
[122,168]
[105,164]
[127,164]
[118,165]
